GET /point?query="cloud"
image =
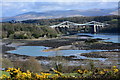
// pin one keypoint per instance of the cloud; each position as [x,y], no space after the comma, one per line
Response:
[14,8]
[60,1]
[24,10]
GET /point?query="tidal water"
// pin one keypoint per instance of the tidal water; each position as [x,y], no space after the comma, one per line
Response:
[108,36]
[38,50]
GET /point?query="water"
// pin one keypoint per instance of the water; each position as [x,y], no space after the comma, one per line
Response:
[111,37]
[38,51]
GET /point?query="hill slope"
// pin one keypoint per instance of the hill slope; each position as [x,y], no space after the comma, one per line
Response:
[62,13]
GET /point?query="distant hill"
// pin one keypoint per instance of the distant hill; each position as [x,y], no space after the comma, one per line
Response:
[61,13]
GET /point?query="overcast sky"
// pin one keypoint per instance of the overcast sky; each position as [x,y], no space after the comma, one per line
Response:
[14,8]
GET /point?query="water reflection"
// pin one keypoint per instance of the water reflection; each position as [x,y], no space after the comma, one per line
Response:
[38,51]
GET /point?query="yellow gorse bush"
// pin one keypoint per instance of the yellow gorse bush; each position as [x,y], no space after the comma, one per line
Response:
[17,74]
[114,67]
[106,70]
[101,72]
[57,72]
[115,70]
[3,76]
[80,71]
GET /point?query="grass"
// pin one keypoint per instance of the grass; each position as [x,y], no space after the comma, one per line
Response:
[3,72]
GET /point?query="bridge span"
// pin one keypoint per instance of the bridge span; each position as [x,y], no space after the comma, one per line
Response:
[71,25]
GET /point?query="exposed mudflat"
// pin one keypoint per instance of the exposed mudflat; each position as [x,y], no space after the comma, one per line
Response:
[104,54]
[67,43]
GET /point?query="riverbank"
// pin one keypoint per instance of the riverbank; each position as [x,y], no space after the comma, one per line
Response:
[62,43]
[81,42]
[74,43]
[70,60]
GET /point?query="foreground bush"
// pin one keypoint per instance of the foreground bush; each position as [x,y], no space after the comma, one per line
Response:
[31,64]
[17,74]
[6,62]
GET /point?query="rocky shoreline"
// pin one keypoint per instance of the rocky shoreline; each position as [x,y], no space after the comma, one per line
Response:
[62,44]
[103,54]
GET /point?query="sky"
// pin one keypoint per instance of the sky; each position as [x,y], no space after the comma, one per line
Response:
[14,7]
[59,0]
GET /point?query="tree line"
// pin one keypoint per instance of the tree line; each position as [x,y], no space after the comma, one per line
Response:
[29,29]
[72,19]
[112,20]
[26,31]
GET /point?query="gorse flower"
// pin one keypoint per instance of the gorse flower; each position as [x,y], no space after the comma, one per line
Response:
[106,70]
[85,71]
[80,71]
[101,72]
[17,74]
[114,67]
[59,73]
[115,70]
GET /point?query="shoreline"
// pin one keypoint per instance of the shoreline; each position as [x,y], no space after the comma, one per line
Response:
[69,60]
[56,43]
[62,44]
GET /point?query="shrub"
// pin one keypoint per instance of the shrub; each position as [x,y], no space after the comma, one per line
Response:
[100,74]
[6,63]
[21,35]
[30,64]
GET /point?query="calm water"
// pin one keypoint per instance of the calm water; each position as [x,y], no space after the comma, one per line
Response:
[112,37]
[38,51]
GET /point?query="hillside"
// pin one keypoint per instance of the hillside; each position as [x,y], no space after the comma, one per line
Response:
[60,14]
[112,20]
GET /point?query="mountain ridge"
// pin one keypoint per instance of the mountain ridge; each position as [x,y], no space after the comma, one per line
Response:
[61,13]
